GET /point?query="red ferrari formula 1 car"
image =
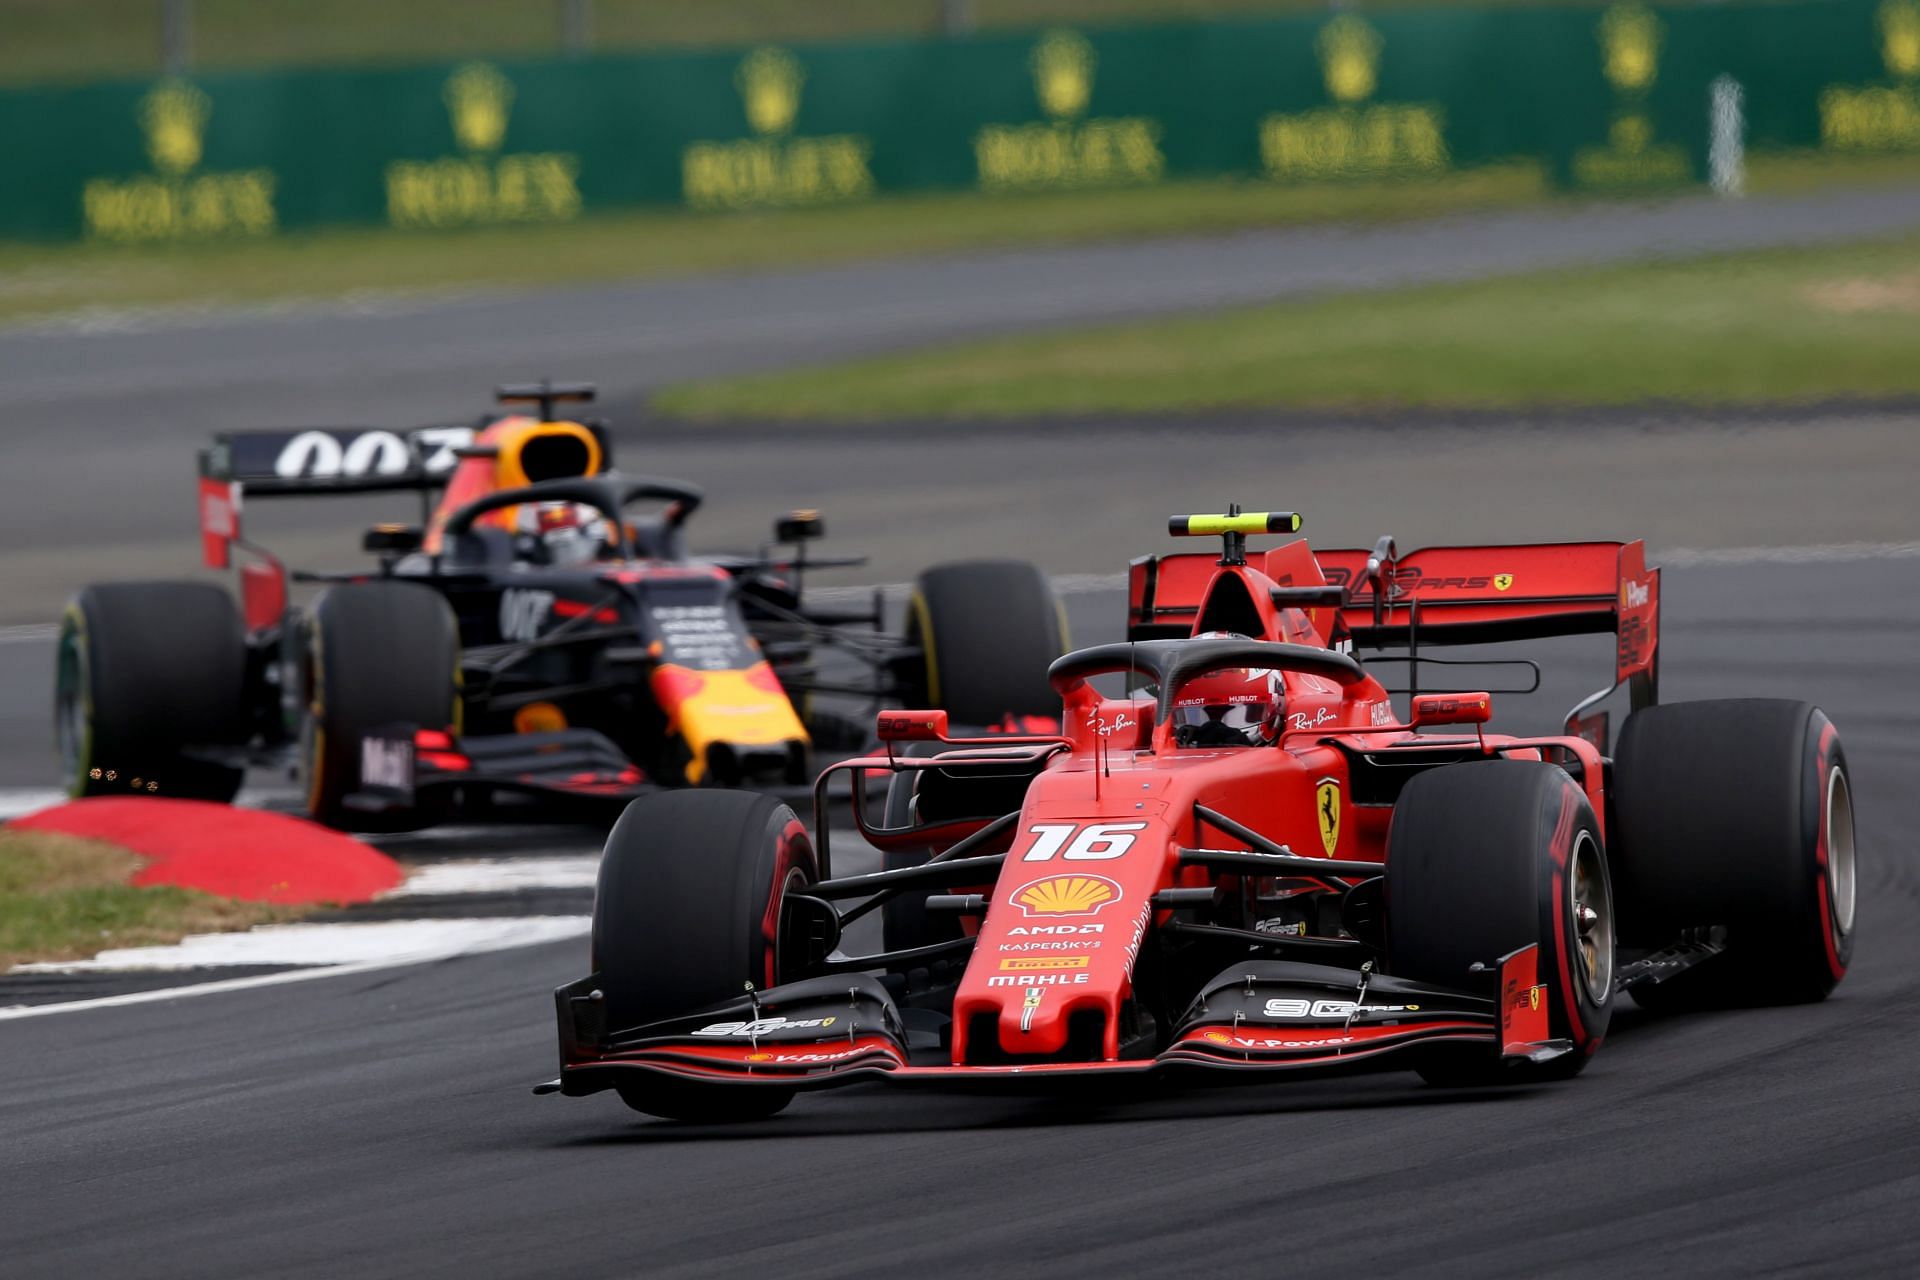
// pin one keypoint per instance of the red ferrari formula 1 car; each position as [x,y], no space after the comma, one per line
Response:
[1240,858]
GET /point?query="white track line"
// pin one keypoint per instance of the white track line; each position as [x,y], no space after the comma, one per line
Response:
[499,875]
[31,633]
[220,986]
[329,945]
[17,802]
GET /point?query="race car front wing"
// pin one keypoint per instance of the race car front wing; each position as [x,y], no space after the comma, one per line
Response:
[403,768]
[1258,1016]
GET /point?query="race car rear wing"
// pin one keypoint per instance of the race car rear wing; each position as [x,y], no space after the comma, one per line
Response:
[316,460]
[1438,595]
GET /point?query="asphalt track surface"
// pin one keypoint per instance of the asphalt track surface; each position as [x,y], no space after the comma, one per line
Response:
[380,1123]
[103,415]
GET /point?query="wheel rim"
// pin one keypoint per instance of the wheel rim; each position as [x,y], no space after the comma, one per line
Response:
[1593,918]
[793,881]
[1840,866]
[70,709]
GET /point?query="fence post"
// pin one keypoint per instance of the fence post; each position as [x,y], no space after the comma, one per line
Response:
[576,26]
[1726,140]
[956,17]
[176,36]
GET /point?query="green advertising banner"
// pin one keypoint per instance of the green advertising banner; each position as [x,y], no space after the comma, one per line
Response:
[1614,98]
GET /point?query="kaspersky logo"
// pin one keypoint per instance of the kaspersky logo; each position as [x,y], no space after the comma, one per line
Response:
[1066,896]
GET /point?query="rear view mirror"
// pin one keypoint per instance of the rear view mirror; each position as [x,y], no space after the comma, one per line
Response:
[1452,708]
[799,526]
[392,539]
[911,726]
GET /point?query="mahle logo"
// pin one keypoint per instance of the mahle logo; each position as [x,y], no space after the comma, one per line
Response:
[175,118]
[481,187]
[769,81]
[1349,58]
[1063,64]
[774,168]
[479,99]
[174,202]
[1899,22]
[1630,38]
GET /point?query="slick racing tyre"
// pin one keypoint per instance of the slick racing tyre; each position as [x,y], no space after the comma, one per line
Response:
[148,672]
[1483,859]
[1739,814]
[689,911]
[379,654]
[988,629]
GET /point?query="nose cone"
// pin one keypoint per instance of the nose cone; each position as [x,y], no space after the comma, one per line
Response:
[1053,964]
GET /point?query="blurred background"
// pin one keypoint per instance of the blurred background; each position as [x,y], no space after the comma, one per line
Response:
[972,276]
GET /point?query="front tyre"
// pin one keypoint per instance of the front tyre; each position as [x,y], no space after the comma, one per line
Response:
[380,654]
[1486,858]
[988,630]
[1738,813]
[146,673]
[688,911]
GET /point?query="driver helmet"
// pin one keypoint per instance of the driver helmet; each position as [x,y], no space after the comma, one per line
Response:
[1231,707]
[566,533]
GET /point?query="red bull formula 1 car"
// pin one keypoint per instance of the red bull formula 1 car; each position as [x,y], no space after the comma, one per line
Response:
[1240,858]
[540,642]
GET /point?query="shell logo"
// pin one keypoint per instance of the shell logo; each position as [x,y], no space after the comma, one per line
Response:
[1217,1037]
[1066,896]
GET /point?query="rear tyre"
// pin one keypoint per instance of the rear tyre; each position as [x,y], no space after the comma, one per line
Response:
[688,911]
[148,671]
[1737,813]
[1483,859]
[380,654]
[989,630]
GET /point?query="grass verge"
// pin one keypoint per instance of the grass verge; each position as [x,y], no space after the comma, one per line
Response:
[42,279]
[39,280]
[1778,326]
[63,898]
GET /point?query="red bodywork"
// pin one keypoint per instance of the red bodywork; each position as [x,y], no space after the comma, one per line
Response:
[1105,818]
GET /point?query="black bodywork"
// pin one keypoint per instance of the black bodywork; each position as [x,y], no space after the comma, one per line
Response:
[583,641]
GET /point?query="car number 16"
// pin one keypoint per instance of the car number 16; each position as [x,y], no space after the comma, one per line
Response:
[1094,842]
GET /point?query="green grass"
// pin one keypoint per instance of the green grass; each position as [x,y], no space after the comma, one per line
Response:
[63,898]
[1746,328]
[48,40]
[38,279]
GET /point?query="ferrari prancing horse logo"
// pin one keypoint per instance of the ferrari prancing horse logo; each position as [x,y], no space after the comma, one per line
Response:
[1502,581]
[1326,802]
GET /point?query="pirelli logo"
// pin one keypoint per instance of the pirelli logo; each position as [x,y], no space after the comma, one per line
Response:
[1034,964]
